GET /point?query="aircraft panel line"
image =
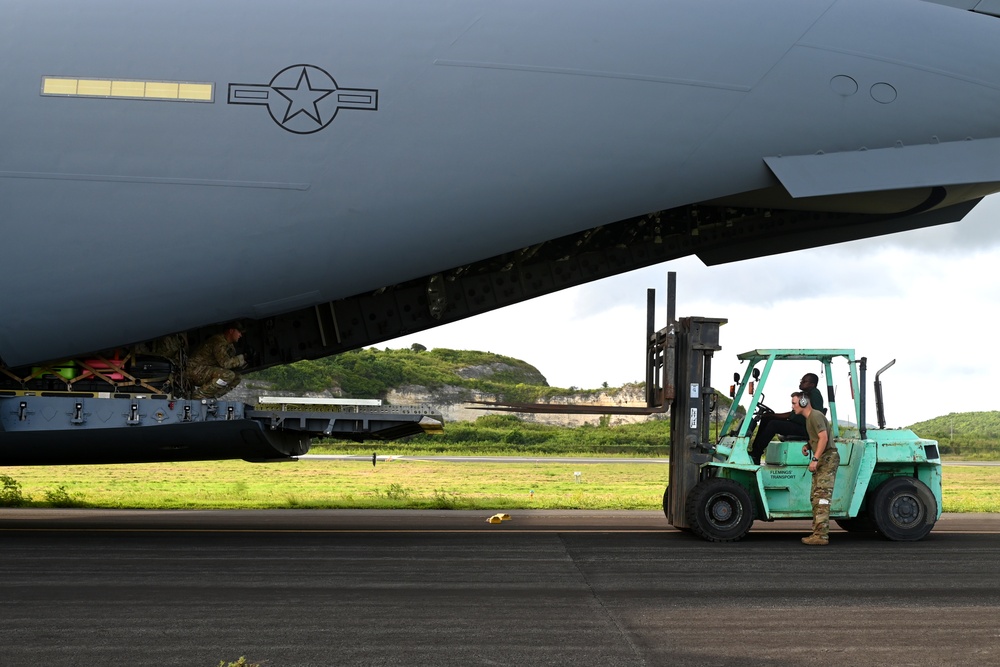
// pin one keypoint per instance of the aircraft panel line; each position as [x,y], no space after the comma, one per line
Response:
[594,73]
[901,63]
[155,180]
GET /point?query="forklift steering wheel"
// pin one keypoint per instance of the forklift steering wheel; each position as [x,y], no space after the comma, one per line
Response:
[763,410]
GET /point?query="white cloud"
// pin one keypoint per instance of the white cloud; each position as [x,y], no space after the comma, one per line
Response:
[925,298]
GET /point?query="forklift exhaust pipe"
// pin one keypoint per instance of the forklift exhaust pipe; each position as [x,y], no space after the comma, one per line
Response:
[879,406]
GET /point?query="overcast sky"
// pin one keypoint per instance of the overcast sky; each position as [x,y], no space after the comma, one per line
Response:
[926,298]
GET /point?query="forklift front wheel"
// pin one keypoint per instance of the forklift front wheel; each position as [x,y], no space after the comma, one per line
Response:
[719,510]
[859,524]
[904,509]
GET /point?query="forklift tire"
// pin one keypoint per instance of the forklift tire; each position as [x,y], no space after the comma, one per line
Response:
[719,510]
[904,509]
[666,509]
[859,524]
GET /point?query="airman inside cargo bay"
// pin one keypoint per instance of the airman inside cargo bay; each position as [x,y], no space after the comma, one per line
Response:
[210,367]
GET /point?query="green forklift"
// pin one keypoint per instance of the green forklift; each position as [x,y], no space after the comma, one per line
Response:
[889,480]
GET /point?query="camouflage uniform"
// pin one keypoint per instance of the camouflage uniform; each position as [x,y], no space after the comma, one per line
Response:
[826,473]
[209,369]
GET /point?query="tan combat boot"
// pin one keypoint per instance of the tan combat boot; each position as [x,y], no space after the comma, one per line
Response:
[815,540]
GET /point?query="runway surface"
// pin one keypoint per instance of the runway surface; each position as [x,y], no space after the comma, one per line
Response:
[288,587]
[537,459]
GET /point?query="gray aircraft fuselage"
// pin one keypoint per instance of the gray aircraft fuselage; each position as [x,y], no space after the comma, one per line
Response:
[338,173]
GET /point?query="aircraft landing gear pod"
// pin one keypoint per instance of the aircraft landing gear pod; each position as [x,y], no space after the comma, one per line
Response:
[889,480]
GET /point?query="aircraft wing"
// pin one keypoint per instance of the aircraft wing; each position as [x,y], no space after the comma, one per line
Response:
[899,168]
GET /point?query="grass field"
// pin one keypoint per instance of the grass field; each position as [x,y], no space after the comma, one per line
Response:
[397,484]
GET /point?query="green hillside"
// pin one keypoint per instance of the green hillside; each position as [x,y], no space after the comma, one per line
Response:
[371,373]
[965,434]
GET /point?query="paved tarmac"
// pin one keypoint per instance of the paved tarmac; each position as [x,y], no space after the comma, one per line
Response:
[536,459]
[289,587]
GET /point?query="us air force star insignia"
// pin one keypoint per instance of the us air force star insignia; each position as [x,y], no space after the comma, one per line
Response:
[303,98]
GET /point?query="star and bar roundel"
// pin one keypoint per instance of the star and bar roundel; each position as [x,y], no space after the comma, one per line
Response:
[303,98]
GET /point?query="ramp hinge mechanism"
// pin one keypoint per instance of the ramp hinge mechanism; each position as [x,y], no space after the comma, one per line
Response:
[77,414]
[133,415]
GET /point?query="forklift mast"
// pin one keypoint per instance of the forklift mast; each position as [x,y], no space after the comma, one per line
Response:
[679,372]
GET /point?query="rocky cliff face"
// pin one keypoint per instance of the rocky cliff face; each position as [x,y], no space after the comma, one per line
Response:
[454,404]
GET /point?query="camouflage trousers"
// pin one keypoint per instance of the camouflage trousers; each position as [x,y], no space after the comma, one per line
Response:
[822,491]
[213,381]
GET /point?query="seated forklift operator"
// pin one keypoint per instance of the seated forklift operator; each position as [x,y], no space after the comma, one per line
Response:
[787,423]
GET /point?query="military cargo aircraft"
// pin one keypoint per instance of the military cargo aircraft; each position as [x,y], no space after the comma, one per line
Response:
[337,174]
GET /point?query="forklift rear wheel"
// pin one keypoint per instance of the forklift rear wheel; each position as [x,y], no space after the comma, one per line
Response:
[719,510]
[904,509]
